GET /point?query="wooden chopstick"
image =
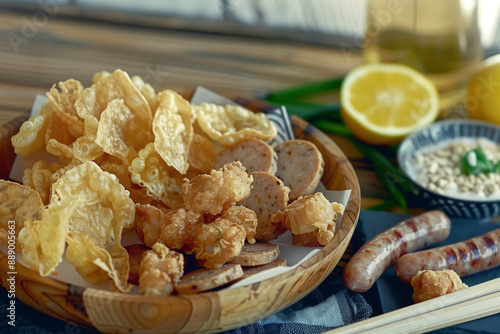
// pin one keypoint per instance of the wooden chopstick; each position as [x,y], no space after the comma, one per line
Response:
[455,308]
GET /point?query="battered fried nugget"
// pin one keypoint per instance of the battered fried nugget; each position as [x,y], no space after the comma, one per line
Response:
[218,191]
[160,270]
[148,221]
[245,217]
[218,242]
[179,232]
[173,228]
[311,219]
[428,284]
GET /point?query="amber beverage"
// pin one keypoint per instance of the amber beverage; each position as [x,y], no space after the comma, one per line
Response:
[440,38]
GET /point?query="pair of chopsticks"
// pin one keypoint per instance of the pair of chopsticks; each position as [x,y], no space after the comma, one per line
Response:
[455,308]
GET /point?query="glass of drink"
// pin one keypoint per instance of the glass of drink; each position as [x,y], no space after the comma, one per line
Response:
[439,38]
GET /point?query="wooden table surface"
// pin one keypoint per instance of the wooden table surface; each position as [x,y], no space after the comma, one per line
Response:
[36,54]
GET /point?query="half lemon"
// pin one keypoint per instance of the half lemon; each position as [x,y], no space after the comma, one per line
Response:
[382,103]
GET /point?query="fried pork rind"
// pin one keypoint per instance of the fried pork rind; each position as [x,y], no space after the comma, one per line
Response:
[160,270]
[230,124]
[62,97]
[120,170]
[122,133]
[98,76]
[310,217]
[150,171]
[218,242]
[43,240]
[97,223]
[218,191]
[62,151]
[201,152]
[31,135]
[117,85]
[40,177]
[148,91]
[428,284]
[173,129]
[85,148]
[18,204]
[95,264]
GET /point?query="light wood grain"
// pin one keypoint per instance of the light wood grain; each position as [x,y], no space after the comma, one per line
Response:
[44,294]
[208,312]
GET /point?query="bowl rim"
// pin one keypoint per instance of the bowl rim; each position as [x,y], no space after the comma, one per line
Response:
[440,124]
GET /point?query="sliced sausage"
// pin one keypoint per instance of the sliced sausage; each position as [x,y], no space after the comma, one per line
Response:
[300,166]
[256,254]
[254,154]
[268,196]
[205,279]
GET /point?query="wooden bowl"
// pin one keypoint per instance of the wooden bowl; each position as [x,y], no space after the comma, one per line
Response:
[207,312]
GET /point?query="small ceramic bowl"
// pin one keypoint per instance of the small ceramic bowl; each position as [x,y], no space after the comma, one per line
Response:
[441,134]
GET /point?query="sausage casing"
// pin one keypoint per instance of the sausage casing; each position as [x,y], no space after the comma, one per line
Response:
[385,248]
[465,258]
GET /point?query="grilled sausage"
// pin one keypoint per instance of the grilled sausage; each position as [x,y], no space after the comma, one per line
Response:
[384,249]
[465,258]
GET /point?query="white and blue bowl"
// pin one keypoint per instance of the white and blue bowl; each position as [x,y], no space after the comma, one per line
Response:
[433,136]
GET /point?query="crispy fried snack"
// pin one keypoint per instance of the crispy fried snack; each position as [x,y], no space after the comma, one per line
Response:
[96,225]
[311,219]
[62,97]
[175,228]
[122,133]
[173,129]
[428,284]
[43,240]
[40,178]
[201,151]
[160,270]
[150,171]
[245,217]
[231,124]
[218,191]
[93,100]
[31,135]
[218,242]
[148,91]
[18,204]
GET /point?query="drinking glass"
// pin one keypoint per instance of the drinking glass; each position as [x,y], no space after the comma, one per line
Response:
[439,38]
